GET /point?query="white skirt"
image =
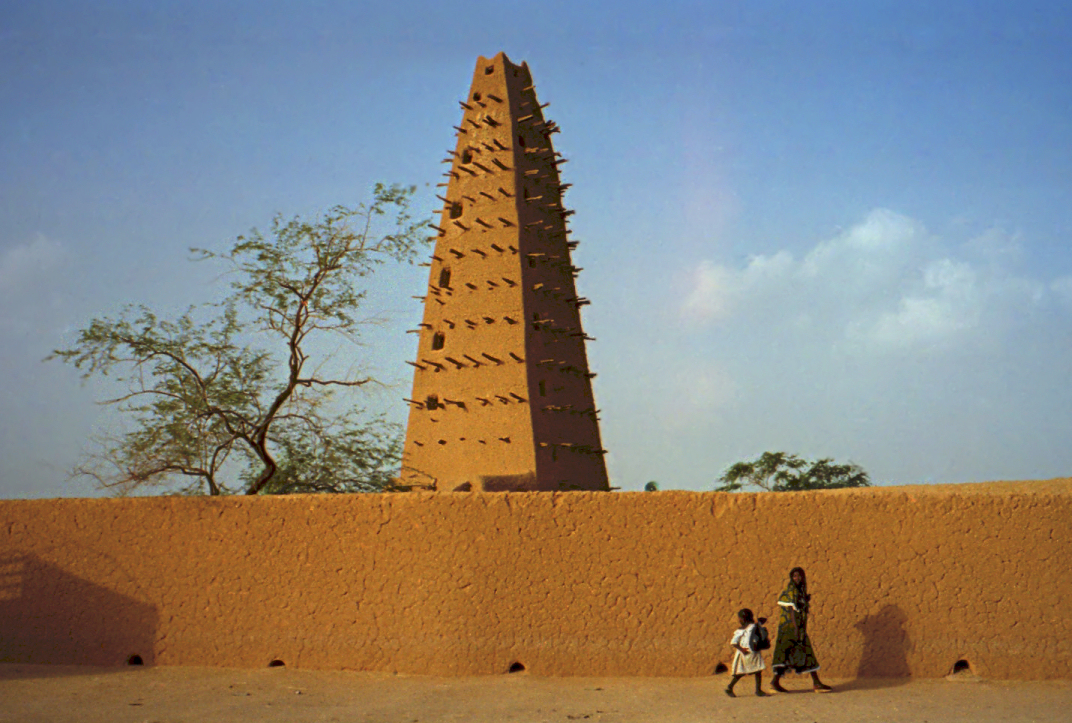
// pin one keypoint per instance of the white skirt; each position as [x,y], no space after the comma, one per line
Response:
[747,663]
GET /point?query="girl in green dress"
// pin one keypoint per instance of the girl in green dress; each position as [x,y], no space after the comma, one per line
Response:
[792,649]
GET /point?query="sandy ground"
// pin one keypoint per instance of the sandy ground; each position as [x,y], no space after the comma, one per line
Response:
[31,693]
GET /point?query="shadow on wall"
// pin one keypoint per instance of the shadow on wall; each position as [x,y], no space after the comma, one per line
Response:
[48,615]
[886,645]
[508,482]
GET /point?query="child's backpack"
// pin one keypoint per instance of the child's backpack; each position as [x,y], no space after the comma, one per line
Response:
[759,639]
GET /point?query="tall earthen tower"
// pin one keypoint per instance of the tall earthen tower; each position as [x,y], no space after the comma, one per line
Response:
[502,395]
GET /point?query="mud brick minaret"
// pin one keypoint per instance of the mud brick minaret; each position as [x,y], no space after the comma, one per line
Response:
[502,395]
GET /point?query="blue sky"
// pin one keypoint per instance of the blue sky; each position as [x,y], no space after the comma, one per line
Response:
[831,228]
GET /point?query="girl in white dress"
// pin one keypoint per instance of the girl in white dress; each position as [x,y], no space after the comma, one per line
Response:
[745,660]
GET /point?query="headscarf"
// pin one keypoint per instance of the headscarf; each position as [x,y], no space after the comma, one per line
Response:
[798,594]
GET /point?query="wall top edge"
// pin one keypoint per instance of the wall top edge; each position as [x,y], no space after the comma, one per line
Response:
[1061,486]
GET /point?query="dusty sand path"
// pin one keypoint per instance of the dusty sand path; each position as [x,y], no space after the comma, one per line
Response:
[33,694]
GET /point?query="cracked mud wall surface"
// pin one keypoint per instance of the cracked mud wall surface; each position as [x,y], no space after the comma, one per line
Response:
[905,580]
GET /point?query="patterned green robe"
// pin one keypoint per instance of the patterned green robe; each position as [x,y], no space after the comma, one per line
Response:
[792,648]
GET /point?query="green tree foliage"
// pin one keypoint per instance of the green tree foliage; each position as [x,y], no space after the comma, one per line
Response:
[651,486]
[229,397]
[783,472]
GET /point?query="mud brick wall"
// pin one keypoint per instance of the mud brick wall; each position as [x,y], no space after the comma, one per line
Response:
[906,581]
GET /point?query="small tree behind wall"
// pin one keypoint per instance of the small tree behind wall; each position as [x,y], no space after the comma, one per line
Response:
[783,472]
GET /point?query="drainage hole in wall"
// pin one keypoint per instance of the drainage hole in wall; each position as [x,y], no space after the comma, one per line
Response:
[721,668]
[277,663]
[517,667]
[961,666]
[135,660]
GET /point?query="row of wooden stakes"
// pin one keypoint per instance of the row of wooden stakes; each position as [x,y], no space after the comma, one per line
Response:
[462,439]
[453,206]
[541,125]
[580,448]
[432,364]
[568,409]
[433,402]
[468,322]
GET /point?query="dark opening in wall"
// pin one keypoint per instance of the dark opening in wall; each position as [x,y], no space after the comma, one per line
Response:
[517,667]
[961,666]
[432,402]
[135,660]
[277,663]
[467,155]
[438,340]
[532,262]
[489,70]
[721,668]
[521,141]
[444,278]
[476,96]
[455,210]
[543,389]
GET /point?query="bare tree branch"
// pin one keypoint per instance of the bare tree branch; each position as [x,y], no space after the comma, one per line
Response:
[209,411]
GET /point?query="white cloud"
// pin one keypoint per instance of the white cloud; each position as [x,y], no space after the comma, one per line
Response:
[884,284]
[867,251]
[949,303]
[712,292]
[21,265]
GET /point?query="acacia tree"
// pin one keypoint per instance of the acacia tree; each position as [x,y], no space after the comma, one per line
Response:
[226,398]
[783,472]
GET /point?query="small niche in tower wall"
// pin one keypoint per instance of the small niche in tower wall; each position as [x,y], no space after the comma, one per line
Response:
[432,402]
[489,70]
[455,210]
[476,96]
[521,141]
[444,278]
[438,339]
[467,155]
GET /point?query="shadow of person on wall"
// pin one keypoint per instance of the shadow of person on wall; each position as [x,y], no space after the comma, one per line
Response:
[884,659]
